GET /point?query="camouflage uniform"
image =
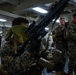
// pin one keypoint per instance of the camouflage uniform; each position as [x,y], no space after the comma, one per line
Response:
[16,65]
[59,38]
[71,36]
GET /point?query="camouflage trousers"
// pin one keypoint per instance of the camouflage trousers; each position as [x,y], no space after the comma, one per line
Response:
[61,47]
[72,58]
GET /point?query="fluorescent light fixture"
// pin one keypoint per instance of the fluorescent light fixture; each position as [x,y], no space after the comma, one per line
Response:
[3,20]
[0,32]
[48,4]
[38,9]
[46,28]
[56,20]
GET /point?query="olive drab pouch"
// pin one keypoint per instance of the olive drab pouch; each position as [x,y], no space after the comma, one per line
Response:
[56,56]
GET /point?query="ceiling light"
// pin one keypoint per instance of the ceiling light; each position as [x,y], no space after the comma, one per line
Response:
[48,4]
[0,32]
[38,9]
[3,20]
[46,28]
[56,20]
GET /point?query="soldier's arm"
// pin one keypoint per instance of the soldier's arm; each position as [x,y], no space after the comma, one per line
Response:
[57,32]
[71,33]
